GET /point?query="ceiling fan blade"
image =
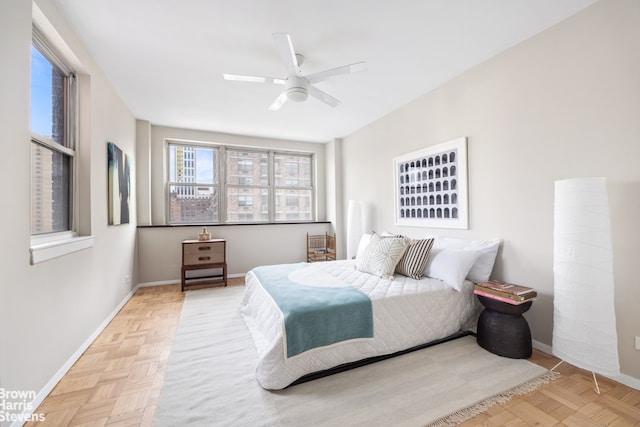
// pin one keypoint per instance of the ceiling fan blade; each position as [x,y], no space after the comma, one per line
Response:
[253,79]
[345,69]
[280,100]
[323,96]
[287,53]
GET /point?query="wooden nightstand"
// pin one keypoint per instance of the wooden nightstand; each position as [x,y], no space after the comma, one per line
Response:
[204,255]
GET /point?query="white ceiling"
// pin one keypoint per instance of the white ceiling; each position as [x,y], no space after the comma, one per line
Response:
[166,57]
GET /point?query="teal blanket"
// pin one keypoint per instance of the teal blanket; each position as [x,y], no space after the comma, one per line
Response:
[316,316]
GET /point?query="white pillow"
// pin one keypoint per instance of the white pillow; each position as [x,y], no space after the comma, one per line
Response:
[388,234]
[488,250]
[382,254]
[450,265]
[482,268]
[362,245]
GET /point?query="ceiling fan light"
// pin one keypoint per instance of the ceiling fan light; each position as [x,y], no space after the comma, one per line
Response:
[297,94]
[297,88]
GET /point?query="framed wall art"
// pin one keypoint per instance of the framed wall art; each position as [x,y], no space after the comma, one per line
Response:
[119,169]
[431,186]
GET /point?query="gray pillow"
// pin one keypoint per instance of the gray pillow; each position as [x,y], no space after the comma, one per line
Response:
[382,255]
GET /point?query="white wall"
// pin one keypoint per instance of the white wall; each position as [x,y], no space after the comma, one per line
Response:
[48,310]
[565,103]
[248,246]
[333,168]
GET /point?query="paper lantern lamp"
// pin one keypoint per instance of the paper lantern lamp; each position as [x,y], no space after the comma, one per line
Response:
[584,330]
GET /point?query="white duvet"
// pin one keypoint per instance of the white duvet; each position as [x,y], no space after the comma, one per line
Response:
[406,313]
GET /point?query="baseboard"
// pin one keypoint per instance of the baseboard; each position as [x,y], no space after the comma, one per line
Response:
[541,346]
[625,379]
[173,282]
[159,283]
[44,392]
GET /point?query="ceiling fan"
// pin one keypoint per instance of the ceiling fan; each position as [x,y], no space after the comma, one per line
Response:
[298,86]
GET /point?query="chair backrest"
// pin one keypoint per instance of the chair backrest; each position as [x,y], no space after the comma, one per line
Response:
[331,243]
[321,247]
[316,241]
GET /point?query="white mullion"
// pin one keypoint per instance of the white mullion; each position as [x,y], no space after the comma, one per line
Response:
[222,182]
[72,126]
[312,175]
[271,190]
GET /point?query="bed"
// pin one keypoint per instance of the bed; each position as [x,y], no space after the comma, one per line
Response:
[400,312]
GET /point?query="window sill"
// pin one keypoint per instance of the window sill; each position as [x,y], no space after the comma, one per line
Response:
[232,224]
[50,250]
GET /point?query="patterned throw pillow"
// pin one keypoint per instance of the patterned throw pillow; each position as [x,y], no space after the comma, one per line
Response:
[382,254]
[415,258]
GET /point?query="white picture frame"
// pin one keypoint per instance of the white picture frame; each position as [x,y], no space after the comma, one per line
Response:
[437,176]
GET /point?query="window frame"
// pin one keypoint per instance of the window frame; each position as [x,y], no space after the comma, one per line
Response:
[225,187]
[48,245]
[216,185]
[67,146]
[286,186]
[252,186]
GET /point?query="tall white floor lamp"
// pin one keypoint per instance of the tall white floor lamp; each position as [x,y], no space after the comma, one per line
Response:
[584,321]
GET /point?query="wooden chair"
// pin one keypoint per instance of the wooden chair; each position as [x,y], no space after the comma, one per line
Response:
[321,247]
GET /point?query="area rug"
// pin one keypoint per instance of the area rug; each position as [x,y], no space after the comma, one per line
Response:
[210,379]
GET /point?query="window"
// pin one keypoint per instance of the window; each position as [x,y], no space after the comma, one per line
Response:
[245,165]
[54,160]
[292,202]
[293,190]
[247,187]
[291,168]
[194,188]
[258,185]
[53,124]
[245,200]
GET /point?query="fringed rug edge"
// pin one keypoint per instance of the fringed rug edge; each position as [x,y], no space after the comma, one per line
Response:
[469,412]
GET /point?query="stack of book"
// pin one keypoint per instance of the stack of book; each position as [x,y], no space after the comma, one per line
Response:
[505,292]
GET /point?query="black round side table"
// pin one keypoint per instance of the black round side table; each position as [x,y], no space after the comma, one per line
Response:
[503,330]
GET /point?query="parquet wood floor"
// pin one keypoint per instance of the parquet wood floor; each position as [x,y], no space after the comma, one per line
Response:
[117,381]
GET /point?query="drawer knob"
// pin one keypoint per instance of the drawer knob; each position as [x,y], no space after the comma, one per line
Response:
[204,248]
[204,258]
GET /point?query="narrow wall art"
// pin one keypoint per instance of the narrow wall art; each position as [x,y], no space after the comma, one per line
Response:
[119,183]
[431,186]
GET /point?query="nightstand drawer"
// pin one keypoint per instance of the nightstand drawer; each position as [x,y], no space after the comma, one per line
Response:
[203,253]
[206,257]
